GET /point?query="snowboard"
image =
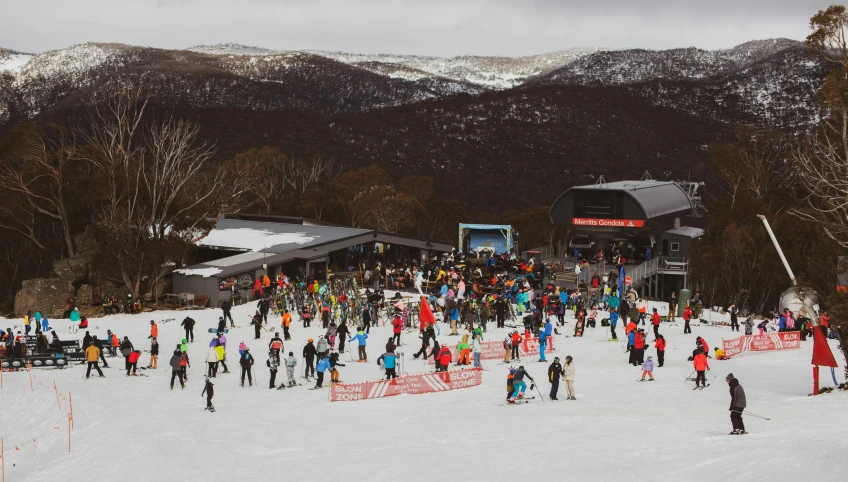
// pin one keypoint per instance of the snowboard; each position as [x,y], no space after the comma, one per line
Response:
[215,330]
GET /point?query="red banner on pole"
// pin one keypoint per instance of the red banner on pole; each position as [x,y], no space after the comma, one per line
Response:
[492,350]
[787,340]
[410,384]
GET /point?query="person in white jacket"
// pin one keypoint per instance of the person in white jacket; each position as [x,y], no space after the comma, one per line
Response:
[212,361]
[477,349]
[568,373]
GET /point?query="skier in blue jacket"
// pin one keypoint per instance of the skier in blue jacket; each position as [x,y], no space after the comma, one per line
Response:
[543,344]
[323,365]
[389,361]
[361,337]
[613,320]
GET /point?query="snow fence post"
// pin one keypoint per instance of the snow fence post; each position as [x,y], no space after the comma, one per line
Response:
[56,389]
[3,460]
[69,433]
[71,413]
[29,370]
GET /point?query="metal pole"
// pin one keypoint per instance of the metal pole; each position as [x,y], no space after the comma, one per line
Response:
[779,251]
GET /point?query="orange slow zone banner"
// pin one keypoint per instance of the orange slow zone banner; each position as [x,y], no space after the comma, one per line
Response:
[611,223]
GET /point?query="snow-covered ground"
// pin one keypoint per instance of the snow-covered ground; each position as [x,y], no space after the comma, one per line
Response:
[618,429]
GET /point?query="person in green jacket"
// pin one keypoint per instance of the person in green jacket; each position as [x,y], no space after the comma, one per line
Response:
[75,320]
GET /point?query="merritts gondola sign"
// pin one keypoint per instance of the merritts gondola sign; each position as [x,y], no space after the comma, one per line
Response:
[612,223]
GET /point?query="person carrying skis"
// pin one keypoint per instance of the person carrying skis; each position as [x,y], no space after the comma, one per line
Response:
[176,371]
[188,324]
[334,372]
[256,321]
[246,363]
[309,353]
[699,360]
[737,405]
[388,360]
[518,383]
[568,374]
[323,365]
[209,391]
[648,368]
[361,338]
[554,374]
[291,362]
[272,365]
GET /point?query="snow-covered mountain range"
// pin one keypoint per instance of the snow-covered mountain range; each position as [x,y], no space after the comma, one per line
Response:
[766,73]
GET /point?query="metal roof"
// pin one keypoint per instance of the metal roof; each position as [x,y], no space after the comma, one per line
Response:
[687,231]
[657,198]
[277,238]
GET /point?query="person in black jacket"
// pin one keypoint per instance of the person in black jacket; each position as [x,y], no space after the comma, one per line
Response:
[256,321]
[309,353]
[264,306]
[209,391]
[226,306]
[366,319]
[342,332]
[188,324]
[222,324]
[246,363]
[429,333]
[554,374]
[737,405]
[87,339]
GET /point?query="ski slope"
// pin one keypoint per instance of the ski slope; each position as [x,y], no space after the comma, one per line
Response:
[137,429]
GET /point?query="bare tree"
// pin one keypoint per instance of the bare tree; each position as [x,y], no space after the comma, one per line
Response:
[39,176]
[822,161]
[301,174]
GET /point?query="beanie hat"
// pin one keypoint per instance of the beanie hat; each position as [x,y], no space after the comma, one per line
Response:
[729,377]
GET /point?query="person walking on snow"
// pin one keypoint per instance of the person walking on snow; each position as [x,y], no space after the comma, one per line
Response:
[342,332]
[687,316]
[737,405]
[211,362]
[699,360]
[660,346]
[388,360]
[543,341]
[361,338]
[309,353]
[648,368]
[176,371]
[209,391]
[246,363]
[477,350]
[518,383]
[276,345]
[188,324]
[554,374]
[655,320]
[568,374]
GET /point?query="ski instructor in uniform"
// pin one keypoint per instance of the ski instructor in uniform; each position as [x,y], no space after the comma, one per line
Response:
[737,405]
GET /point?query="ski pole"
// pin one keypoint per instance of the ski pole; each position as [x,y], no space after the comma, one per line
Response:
[751,414]
[688,378]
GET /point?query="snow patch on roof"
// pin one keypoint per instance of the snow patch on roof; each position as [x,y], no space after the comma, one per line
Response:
[204,272]
[252,239]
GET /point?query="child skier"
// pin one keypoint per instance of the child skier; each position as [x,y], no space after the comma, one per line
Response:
[388,360]
[699,360]
[518,383]
[510,387]
[291,362]
[209,391]
[334,372]
[648,368]
[361,338]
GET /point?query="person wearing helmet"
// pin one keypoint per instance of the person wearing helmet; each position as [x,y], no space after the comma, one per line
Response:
[246,363]
[276,345]
[518,383]
[510,387]
[309,353]
[554,374]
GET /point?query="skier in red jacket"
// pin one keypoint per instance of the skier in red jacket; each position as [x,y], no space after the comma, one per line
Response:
[655,320]
[701,366]
[397,326]
[445,359]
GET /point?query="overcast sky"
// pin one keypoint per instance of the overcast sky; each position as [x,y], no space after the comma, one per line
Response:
[427,27]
